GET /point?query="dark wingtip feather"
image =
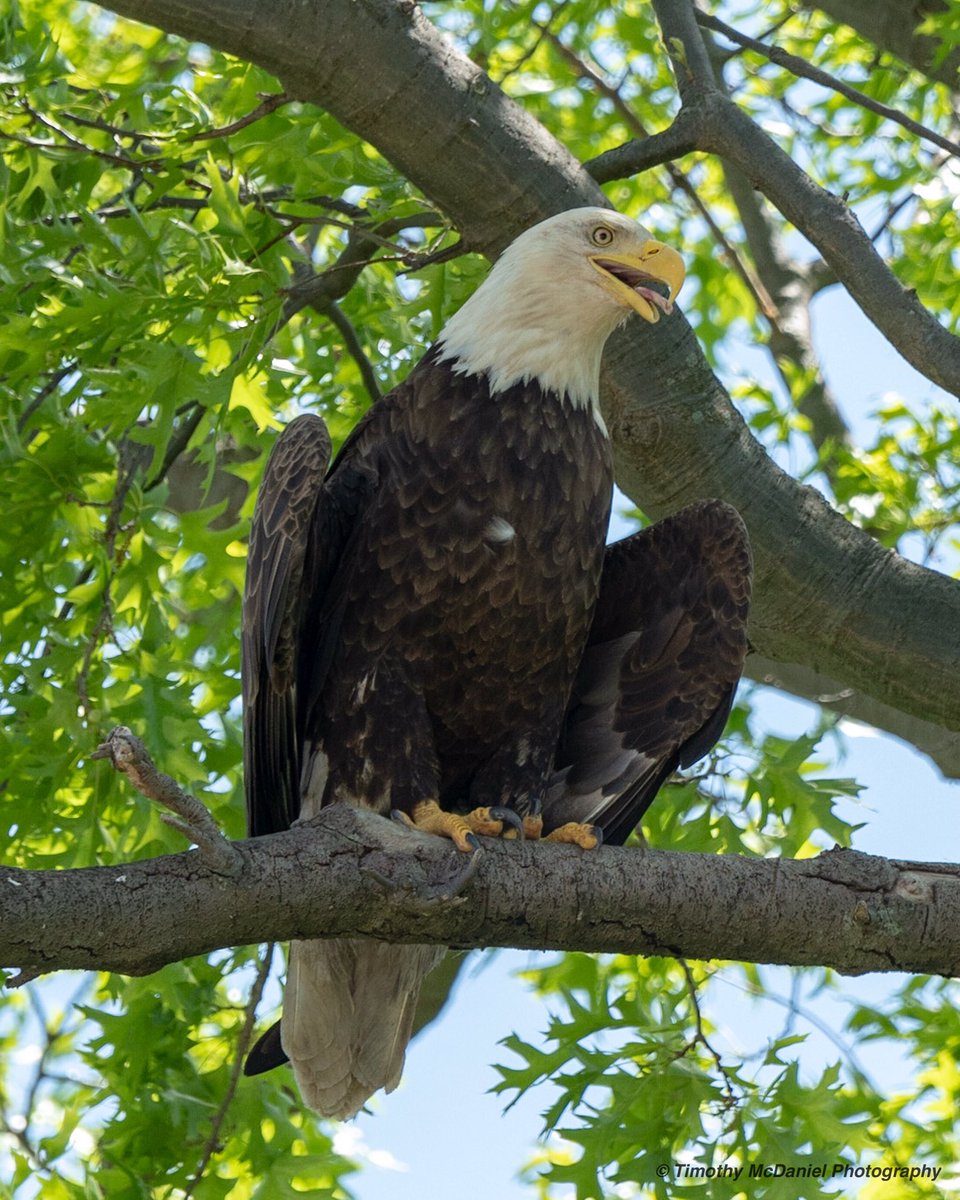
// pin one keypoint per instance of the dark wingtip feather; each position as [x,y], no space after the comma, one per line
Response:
[266,1054]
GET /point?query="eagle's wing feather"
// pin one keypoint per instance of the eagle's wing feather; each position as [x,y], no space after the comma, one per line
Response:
[660,669]
[285,545]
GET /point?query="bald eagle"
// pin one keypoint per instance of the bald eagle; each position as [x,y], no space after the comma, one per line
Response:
[434,629]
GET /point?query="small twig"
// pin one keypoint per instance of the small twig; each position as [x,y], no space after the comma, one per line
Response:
[118,134]
[700,1036]
[129,755]
[803,69]
[103,625]
[893,210]
[796,1010]
[354,347]
[127,471]
[268,104]
[119,160]
[192,413]
[48,388]
[212,1144]
[537,42]
[336,280]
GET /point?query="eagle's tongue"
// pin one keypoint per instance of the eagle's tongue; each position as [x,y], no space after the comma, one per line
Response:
[665,305]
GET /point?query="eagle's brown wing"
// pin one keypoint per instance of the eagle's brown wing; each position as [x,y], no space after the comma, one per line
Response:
[300,527]
[275,599]
[658,675]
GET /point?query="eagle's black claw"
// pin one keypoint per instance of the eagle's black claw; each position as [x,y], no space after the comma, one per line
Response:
[507,815]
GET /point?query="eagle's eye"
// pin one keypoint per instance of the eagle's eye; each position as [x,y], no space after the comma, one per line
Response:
[602,235]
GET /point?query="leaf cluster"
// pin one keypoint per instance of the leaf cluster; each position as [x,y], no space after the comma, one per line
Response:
[188,257]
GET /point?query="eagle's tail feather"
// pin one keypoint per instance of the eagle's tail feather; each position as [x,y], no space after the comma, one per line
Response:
[347,1017]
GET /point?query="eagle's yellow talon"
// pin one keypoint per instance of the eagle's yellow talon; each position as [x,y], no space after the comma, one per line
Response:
[429,817]
[480,821]
[533,828]
[588,837]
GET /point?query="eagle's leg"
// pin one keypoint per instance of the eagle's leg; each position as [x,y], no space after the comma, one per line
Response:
[429,817]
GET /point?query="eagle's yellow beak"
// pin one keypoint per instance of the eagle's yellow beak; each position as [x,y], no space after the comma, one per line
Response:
[628,277]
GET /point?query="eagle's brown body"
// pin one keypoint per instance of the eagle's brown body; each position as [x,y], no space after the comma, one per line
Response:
[435,618]
[467,588]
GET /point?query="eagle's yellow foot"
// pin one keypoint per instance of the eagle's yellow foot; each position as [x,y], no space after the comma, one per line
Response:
[531,829]
[589,837]
[461,829]
[586,836]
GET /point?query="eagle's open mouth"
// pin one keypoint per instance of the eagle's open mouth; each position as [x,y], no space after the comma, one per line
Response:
[654,291]
[647,282]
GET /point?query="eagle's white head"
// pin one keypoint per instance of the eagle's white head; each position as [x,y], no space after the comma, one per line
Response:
[554,297]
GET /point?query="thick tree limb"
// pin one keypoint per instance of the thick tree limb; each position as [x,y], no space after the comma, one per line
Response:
[827,596]
[942,746]
[324,878]
[892,25]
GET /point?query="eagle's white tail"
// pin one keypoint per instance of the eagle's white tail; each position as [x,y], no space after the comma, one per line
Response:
[348,1012]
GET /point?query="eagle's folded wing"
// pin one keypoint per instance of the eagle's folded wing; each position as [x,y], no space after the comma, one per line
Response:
[658,676]
[283,551]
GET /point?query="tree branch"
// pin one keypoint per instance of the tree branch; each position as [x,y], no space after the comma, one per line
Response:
[827,222]
[187,815]
[212,1145]
[267,105]
[804,70]
[790,285]
[941,746]
[643,153]
[892,25]
[354,347]
[679,181]
[326,287]
[324,878]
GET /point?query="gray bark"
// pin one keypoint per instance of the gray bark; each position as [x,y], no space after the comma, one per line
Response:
[892,25]
[827,596]
[329,878]
[942,746]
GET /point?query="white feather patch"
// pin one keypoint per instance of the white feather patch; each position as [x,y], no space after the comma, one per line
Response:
[499,530]
[313,779]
